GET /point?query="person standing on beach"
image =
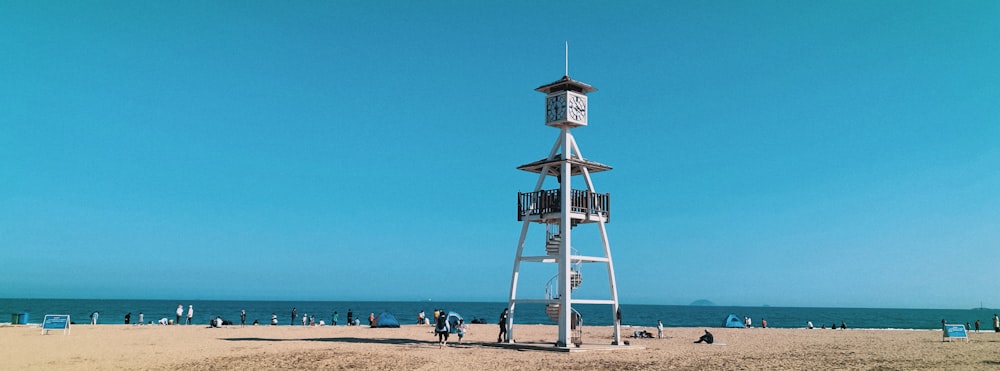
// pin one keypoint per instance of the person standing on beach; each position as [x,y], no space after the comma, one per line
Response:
[461,329]
[305,317]
[442,329]
[140,319]
[295,316]
[502,336]
[333,320]
[180,312]
[274,319]
[128,317]
[243,318]
[371,319]
[190,313]
[350,317]
[996,323]
[93,317]
[977,325]
[659,329]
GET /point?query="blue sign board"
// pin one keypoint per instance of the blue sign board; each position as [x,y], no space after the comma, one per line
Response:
[955,332]
[55,322]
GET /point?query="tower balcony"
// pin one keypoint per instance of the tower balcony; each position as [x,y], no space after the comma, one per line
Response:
[544,205]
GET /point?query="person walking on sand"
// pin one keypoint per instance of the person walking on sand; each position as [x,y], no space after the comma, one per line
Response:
[180,313]
[190,313]
[93,317]
[333,321]
[243,318]
[442,329]
[502,336]
[977,325]
[659,329]
[461,329]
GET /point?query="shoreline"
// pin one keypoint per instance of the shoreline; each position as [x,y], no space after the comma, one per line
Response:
[113,312]
[624,327]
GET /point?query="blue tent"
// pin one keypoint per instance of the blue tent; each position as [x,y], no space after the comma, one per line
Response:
[453,319]
[734,321]
[385,319]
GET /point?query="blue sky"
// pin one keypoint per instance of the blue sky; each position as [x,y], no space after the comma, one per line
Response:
[785,153]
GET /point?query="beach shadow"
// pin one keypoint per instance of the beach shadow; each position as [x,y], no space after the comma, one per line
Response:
[393,341]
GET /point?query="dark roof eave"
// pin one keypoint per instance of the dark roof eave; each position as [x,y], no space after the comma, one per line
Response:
[536,167]
[565,80]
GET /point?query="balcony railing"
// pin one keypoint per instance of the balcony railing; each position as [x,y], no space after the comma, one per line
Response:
[548,201]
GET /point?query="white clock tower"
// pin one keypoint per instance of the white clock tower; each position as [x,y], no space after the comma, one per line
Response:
[560,210]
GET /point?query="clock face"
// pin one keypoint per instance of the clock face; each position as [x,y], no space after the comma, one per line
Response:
[555,108]
[577,108]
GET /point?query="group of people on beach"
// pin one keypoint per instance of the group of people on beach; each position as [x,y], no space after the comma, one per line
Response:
[442,328]
[308,320]
[843,325]
[180,314]
[996,324]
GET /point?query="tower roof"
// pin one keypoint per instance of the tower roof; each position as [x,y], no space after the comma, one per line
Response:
[565,83]
[554,170]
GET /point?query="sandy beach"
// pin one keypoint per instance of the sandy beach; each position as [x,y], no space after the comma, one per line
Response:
[414,347]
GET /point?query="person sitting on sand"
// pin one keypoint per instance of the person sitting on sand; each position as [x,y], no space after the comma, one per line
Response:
[707,338]
[639,334]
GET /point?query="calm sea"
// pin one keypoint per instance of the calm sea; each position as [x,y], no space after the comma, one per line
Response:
[113,312]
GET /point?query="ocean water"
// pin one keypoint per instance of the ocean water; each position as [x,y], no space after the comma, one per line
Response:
[113,312]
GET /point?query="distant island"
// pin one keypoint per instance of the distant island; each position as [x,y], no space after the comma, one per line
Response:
[703,303]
